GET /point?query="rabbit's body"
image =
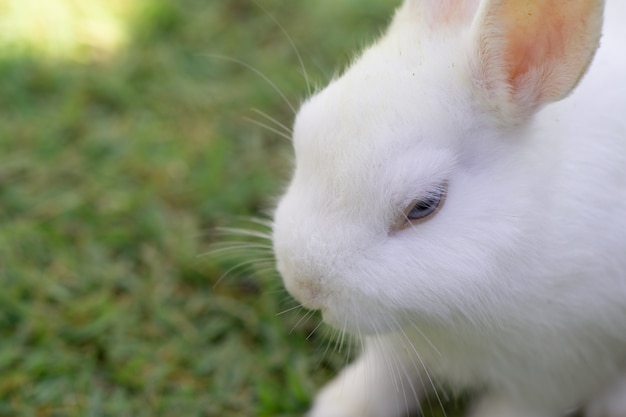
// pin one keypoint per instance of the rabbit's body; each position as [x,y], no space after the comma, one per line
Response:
[516,286]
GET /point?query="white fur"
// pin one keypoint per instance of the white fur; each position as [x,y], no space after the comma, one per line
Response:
[517,287]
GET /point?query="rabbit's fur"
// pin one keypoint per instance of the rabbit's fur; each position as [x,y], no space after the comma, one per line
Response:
[515,287]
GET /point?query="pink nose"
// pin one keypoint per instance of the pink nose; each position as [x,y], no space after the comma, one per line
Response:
[307,290]
[309,295]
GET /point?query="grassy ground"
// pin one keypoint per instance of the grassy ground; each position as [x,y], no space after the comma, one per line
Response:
[123,144]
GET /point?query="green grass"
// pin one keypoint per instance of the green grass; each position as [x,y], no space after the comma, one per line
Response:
[118,160]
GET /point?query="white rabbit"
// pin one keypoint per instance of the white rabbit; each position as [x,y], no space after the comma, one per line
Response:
[459,202]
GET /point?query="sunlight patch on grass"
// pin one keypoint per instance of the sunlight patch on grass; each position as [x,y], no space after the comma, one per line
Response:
[65,29]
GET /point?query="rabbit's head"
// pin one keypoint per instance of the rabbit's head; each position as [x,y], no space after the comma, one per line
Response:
[419,179]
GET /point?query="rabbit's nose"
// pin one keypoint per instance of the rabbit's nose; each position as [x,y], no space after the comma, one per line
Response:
[305,286]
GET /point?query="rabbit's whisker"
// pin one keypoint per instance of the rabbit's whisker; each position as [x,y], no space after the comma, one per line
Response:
[330,335]
[314,329]
[257,72]
[244,232]
[291,42]
[273,120]
[419,358]
[299,306]
[236,249]
[306,316]
[430,343]
[240,266]
[268,128]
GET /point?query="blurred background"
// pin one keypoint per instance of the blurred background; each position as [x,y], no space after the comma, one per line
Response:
[128,134]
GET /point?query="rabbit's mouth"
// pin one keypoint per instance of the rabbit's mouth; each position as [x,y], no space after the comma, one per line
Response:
[363,320]
[343,313]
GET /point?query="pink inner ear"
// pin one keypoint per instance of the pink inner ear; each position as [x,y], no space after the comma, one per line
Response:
[542,35]
[452,12]
[533,44]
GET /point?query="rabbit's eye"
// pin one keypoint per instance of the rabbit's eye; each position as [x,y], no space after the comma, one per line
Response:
[425,208]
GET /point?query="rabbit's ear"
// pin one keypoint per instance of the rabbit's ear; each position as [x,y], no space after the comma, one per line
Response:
[439,14]
[442,13]
[533,52]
